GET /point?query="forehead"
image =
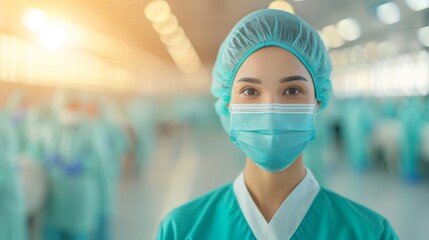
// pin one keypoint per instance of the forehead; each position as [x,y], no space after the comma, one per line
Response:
[273,62]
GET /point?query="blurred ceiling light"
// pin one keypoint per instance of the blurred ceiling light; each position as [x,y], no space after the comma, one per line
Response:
[423,35]
[324,39]
[417,5]
[281,5]
[53,35]
[166,27]
[389,13]
[357,54]
[157,10]
[349,29]
[190,67]
[180,49]
[34,19]
[186,58]
[332,37]
[174,38]
[387,49]
[370,50]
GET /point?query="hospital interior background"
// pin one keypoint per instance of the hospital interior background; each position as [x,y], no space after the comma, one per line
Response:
[122,87]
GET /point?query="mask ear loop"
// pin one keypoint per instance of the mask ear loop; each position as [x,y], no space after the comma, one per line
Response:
[315,111]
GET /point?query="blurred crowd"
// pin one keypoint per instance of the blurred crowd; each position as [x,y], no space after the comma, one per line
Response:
[391,133]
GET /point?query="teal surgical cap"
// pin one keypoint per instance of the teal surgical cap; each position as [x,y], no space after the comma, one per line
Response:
[270,27]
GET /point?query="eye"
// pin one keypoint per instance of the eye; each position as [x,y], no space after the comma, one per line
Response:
[249,92]
[292,91]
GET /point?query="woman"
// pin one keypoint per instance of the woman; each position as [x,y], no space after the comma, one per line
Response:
[271,77]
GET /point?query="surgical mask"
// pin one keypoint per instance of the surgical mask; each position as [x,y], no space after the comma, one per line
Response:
[272,135]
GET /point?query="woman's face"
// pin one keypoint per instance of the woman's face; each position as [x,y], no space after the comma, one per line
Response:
[272,75]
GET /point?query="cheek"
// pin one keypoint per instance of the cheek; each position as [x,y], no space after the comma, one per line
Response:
[233,94]
[313,91]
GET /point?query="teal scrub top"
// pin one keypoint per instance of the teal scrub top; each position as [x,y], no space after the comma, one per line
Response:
[12,206]
[73,199]
[217,215]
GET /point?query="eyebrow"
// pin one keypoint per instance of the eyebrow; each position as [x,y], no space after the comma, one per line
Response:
[250,80]
[293,78]
[283,80]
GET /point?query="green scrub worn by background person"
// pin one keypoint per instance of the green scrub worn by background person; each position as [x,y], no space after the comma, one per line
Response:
[72,164]
[12,208]
[110,144]
[412,119]
[356,131]
[17,107]
[270,70]
[143,119]
[387,133]
[425,131]
[38,121]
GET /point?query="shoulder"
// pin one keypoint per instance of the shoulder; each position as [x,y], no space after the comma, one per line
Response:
[196,206]
[343,204]
[353,216]
[187,216]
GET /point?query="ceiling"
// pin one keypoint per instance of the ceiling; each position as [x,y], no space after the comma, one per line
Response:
[207,22]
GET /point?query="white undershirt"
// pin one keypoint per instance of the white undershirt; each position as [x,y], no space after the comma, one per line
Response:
[287,218]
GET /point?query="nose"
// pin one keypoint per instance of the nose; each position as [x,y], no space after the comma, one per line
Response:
[271,98]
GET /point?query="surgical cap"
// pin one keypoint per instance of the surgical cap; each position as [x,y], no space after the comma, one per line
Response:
[270,27]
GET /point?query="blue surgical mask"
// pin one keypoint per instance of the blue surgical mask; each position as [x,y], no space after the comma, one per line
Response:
[272,135]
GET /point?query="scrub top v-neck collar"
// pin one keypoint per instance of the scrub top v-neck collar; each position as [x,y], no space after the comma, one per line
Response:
[287,218]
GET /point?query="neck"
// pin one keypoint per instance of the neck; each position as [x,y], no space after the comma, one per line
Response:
[269,190]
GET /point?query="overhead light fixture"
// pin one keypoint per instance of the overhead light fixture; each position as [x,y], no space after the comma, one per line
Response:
[387,49]
[349,29]
[281,5]
[357,54]
[324,39]
[389,13]
[423,35]
[370,50]
[180,49]
[332,37]
[190,67]
[166,27]
[174,38]
[34,19]
[417,5]
[157,10]
[53,35]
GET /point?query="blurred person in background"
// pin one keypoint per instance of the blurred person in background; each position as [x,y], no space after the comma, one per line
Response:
[356,124]
[411,127]
[111,143]
[73,163]
[386,134]
[12,205]
[143,121]
[18,107]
